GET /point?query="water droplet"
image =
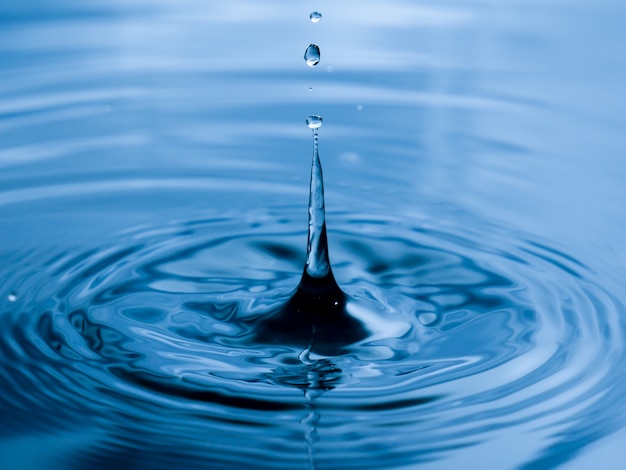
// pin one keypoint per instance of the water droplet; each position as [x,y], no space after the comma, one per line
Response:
[314,122]
[12,297]
[359,107]
[428,318]
[312,55]
[310,88]
[316,16]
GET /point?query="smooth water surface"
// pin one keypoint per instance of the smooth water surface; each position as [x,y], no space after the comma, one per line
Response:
[154,178]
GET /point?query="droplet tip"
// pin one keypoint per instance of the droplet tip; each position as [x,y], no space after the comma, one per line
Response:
[314,121]
[315,17]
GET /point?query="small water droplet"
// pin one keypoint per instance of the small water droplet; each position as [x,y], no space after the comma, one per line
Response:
[314,121]
[312,55]
[310,88]
[428,318]
[359,107]
[316,16]
[12,297]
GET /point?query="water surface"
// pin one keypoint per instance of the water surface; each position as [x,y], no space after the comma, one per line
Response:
[154,167]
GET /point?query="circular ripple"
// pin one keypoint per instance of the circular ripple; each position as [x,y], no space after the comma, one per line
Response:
[474,333]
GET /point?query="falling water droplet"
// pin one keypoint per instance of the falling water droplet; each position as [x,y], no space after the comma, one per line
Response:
[312,55]
[310,88]
[12,297]
[316,16]
[314,121]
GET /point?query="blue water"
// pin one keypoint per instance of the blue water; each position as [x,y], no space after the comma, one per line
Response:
[154,178]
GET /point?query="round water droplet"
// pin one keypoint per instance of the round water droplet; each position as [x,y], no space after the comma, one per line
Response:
[314,122]
[359,107]
[310,88]
[312,55]
[316,16]
[428,318]
[12,297]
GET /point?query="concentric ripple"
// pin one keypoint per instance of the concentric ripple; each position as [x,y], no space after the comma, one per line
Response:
[144,344]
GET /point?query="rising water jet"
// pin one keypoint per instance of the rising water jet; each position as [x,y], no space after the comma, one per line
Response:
[315,315]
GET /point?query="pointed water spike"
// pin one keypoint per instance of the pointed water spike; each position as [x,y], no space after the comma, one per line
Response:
[315,316]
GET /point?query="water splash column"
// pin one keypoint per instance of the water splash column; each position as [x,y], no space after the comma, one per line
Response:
[317,261]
